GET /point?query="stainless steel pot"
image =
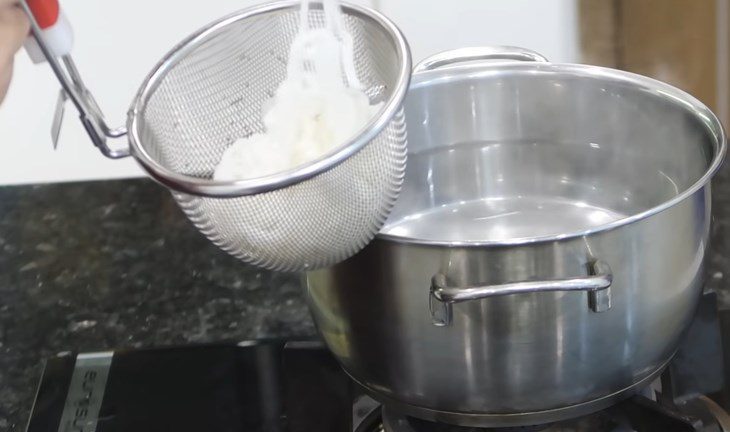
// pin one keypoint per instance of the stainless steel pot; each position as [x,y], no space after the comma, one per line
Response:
[546,253]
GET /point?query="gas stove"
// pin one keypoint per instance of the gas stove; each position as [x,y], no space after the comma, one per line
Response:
[297,386]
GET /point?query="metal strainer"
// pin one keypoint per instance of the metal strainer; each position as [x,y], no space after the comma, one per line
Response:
[208,92]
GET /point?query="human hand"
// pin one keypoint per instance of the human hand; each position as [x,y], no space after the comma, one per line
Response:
[14,28]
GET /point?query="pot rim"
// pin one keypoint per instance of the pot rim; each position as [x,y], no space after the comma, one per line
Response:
[490,69]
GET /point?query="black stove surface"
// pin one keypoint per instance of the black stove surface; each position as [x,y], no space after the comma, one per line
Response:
[297,386]
[254,386]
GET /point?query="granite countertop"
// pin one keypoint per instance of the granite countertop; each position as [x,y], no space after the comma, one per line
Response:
[103,265]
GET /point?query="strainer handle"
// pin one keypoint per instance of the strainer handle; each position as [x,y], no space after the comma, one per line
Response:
[52,42]
[461,55]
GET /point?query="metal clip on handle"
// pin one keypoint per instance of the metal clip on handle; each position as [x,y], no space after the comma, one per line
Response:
[463,55]
[597,284]
[46,24]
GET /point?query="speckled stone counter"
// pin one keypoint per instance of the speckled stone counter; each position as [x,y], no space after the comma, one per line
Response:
[718,261]
[94,266]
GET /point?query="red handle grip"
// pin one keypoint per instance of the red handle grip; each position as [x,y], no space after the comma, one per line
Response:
[46,12]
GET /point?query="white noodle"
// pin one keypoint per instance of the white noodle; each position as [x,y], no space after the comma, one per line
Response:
[318,107]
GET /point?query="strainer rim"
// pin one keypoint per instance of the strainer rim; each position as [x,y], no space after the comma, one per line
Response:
[236,188]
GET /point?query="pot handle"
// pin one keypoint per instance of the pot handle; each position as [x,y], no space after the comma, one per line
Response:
[597,284]
[461,55]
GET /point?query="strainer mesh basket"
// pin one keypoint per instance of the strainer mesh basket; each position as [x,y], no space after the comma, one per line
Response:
[209,92]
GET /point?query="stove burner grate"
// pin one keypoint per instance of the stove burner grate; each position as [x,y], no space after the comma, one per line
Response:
[637,414]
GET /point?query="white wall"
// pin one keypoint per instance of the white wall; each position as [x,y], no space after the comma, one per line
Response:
[117,43]
[546,26]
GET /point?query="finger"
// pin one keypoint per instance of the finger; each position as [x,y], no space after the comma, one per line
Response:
[14,29]
[4,3]
[6,72]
